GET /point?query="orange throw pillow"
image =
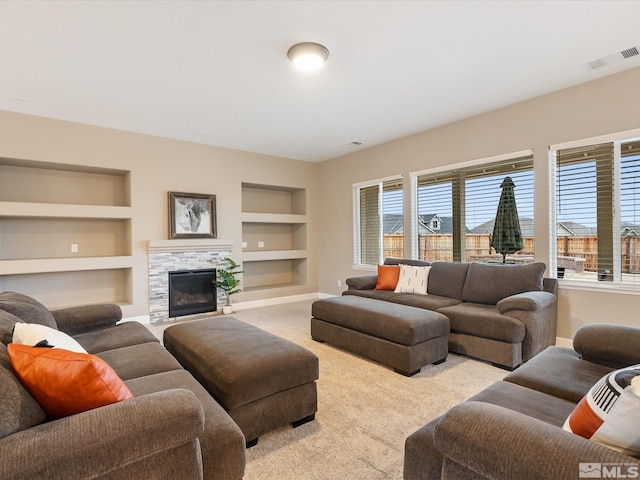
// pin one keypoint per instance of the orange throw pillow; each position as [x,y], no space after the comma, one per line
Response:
[388,276]
[64,382]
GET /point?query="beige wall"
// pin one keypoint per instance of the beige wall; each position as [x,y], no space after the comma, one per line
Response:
[595,108]
[158,166]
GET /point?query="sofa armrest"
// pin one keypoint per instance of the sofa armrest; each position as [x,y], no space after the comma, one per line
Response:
[86,318]
[364,282]
[489,441]
[103,441]
[615,346]
[529,301]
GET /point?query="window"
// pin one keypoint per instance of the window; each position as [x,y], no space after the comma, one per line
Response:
[597,214]
[378,221]
[462,203]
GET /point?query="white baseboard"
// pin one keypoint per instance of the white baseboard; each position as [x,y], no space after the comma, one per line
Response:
[564,342]
[279,300]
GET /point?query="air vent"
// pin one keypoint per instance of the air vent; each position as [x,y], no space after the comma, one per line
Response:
[353,144]
[613,58]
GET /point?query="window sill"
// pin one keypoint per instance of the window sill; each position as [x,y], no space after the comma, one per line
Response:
[602,287]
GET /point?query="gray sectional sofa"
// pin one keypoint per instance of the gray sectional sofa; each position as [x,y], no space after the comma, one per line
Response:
[513,428]
[504,314]
[171,429]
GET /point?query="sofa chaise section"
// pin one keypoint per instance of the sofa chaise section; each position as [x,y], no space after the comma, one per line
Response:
[503,314]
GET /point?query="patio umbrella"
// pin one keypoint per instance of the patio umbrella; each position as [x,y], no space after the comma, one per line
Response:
[507,237]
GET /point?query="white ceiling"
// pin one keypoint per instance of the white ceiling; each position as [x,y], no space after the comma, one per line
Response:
[216,72]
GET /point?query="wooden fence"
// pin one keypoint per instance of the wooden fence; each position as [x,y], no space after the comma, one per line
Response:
[440,247]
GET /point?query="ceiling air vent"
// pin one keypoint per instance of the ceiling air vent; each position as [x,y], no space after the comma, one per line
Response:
[613,58]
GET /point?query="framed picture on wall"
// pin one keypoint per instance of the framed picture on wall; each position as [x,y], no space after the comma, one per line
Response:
[192,215]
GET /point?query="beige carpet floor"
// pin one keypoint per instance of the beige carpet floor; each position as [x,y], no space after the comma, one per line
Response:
[365,410]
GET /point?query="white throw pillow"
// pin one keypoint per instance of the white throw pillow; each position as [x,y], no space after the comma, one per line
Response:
[33,333]
[609,413]
[413,280]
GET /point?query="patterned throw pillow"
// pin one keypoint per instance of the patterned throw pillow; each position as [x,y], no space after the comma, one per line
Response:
[609,413]
[413,280]
[32,334]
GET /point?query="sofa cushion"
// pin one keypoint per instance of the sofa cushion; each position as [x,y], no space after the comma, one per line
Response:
[19,409]
[413,280]
[488,284]
[428,302]
[609,413]
[7,322]
[484,321]
[387,277]
[546,408]
[140,360]
[446,279]
[27,309]
[33,333]
[375,294]
[65,383]
[559,372]
[122,335]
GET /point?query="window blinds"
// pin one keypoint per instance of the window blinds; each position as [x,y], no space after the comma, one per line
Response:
[379,215]
[598,210]
[466,199]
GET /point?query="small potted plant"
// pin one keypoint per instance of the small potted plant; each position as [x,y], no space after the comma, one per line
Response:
[227,282]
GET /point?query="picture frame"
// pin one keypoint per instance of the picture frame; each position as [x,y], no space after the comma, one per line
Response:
[192,215]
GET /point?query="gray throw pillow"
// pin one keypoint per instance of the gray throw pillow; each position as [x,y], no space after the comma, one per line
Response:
[490,283]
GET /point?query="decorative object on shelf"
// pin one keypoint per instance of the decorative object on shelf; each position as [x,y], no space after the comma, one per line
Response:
[308,56]
[507,237]
[228,282]
[192,215]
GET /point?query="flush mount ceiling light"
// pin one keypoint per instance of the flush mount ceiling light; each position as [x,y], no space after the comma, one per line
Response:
[308,56]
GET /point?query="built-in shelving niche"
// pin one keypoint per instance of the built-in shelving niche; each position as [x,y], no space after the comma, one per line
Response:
[274,236]
[45,208]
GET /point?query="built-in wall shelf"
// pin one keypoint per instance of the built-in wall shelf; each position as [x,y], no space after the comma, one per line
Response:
[65,232]
[259,256]
[54,210]
[48,265]
[288,218]
[274,237]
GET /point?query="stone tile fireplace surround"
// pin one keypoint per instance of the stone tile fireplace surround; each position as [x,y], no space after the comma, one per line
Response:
[171,255]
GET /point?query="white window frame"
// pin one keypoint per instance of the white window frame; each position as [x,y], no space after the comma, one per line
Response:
[617,139]
[357,251]
[413,176]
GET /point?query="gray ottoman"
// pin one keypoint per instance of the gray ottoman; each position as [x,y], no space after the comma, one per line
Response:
[263,381]
[402,337]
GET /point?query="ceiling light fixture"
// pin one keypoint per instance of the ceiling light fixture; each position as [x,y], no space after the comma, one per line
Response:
[308,56]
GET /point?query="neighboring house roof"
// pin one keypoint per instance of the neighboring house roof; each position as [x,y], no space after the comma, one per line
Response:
[573,229]
[486,228]
[392,223]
